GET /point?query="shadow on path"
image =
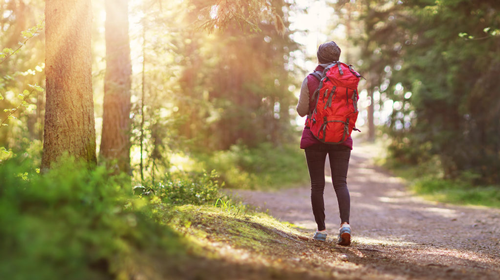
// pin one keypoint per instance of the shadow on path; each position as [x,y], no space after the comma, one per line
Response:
[393,231]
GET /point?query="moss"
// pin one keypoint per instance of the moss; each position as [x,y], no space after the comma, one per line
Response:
[205,225]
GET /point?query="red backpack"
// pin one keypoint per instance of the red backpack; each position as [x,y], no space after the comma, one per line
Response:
[336,111]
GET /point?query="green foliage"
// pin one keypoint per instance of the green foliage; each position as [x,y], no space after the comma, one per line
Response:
[26,34]
[228,205]
[20,94]
[247,15]
[72,223]
[263,167]
[438,61]
[234,87]
[457,191]
[178,189]
[4,154]
[21,103]
[247,228]
[426,179]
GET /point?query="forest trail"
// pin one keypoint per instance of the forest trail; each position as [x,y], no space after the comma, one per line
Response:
[395,235]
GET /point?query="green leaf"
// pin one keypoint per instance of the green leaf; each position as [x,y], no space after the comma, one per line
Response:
[36,87]
[27,34]
[26,92]
[8,51]
[1,97]
[486,29]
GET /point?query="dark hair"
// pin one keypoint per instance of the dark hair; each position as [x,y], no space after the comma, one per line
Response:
[328,52]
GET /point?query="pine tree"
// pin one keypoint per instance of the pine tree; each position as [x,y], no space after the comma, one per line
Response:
[115,143]
[69,116]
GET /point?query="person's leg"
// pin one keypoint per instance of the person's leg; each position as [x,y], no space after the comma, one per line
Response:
[316,164]
[339,163]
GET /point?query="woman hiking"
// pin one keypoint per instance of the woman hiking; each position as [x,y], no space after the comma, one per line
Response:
[316,151]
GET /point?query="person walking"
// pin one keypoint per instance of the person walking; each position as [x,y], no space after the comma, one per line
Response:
[316,152]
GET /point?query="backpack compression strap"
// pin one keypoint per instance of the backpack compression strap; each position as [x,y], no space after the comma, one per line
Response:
[317,74]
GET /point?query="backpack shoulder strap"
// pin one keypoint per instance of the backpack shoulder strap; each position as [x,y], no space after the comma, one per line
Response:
[317,74]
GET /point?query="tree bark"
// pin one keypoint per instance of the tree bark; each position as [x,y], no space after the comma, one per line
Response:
[69,116]
[143,95]
[371,112]
[115,142]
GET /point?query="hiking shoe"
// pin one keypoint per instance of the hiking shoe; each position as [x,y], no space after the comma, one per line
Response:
[345,235]
[320,236]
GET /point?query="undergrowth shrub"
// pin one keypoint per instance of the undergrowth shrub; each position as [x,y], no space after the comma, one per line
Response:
[456,191]
[72,223]
[195,188]
[263,167]
[428,179]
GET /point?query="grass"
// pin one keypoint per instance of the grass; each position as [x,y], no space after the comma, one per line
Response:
[74,223]
[426,180]
[230,240]
[264,167]
[457,192]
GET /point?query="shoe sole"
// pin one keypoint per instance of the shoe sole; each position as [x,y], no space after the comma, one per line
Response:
[346,239]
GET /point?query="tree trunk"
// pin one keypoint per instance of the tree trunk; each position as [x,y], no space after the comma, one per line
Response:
[115,143]
[143,95]
[69,115]
[371,112]
[369,26]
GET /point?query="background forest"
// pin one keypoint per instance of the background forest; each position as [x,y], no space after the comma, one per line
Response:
[174,89]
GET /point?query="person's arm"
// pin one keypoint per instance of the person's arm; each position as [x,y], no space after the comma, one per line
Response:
[303,105]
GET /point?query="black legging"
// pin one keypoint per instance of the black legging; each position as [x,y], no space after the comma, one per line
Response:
[339,162]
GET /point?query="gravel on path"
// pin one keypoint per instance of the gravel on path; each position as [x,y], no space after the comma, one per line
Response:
[395,232]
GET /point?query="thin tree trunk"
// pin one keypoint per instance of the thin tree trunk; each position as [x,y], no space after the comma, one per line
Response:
[370,81]
[20,10]
[348,34]
[371,112]
[143,96]
[40,107]
[115,143]
[69,115]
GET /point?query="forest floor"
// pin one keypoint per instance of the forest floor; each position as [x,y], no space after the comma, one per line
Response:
[396,235]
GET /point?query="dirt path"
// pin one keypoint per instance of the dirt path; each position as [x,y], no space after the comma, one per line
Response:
[396,235]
